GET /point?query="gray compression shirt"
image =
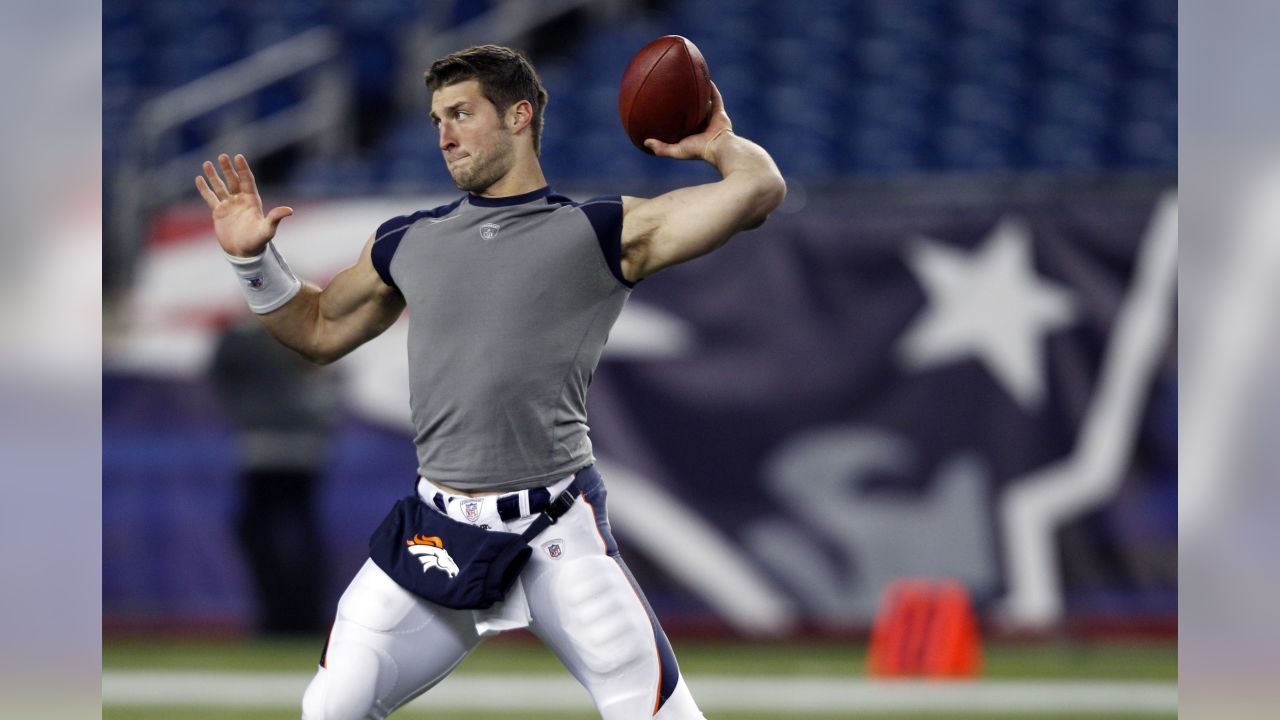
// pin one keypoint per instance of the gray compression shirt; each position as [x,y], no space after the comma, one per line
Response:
[510,303]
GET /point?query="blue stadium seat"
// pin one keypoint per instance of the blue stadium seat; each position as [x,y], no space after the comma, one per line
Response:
[559,163]
[1148,144]
[919,20]
[333,178]
[264,34]
[384,15]
[183,58]
[411,138]
[1154,50]
[606,53]
[123,51]
[708,15]
[1072,103]
[174,16]
[1153,98]
[804,155]
[1087,58]
[1154,14]
[907,110]
[607,156]
[832,87]
[999,18]
[793,60]
[596,106]
[983,105]
[562,86]
[280,96]
[979,58]
[1099,19]
[740,87]
[729,41]
[905,63]
[881,148]
[120,14]
[298,14]
[817,22]
[969,146]
[804,108]
[1062,147]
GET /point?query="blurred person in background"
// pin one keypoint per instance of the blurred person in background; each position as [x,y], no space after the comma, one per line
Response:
[512,291]
[283,410]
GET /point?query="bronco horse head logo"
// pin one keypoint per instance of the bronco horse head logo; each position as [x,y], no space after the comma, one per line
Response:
[430,550]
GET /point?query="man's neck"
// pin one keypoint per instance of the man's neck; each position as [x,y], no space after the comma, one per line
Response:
[518,181]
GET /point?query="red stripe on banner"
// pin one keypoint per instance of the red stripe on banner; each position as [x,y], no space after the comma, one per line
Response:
[178,225]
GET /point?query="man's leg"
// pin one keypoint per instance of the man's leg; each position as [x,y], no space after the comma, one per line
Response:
[587,608]
[387,646]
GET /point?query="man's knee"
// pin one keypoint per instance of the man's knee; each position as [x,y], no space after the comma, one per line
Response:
[348,688]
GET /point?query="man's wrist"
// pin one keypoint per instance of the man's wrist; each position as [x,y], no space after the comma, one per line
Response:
[242,259]
[265,279]
[708,153]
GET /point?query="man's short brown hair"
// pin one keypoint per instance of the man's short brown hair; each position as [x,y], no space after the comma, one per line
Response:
[506,77]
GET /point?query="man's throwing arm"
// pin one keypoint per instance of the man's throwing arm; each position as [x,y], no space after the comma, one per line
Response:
[689,222]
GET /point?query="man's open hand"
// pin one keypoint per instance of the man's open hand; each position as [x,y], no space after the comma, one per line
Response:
[238,222]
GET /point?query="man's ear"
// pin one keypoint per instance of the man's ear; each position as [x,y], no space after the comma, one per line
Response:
[520,115]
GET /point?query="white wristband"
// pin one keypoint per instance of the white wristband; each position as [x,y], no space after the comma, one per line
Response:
[266,280]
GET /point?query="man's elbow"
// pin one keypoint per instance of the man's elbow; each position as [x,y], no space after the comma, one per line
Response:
[768,192]
[327,353]
[323,358]
[320,350]
[775,191]
[316,355]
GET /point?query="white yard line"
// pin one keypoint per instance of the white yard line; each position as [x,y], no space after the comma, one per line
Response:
[789,695]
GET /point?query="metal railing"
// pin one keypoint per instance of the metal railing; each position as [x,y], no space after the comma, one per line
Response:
[502,25]
[157,172]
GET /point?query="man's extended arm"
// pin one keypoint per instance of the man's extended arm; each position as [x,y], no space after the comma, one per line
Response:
[689,222]
[322,325]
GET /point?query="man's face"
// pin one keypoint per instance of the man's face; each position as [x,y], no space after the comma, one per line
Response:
[473,139]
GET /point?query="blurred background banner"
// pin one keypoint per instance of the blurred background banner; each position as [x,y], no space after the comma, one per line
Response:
[852,394]
[949,354]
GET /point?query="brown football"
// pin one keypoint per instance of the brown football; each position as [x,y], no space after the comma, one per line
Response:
[665,92]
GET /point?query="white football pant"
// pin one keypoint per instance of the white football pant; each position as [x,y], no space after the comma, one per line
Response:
[388,645]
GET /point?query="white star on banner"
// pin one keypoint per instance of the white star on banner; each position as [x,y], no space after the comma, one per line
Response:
[989,304]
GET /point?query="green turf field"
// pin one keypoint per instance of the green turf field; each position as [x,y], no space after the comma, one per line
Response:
[1113,661]
[170,713]
[519,656]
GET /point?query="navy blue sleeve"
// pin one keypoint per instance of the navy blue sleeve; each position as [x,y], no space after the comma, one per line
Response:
[391,232]
[605,214]
[385,243]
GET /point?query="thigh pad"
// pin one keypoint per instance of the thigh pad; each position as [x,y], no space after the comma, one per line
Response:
[601,615]
[375,602]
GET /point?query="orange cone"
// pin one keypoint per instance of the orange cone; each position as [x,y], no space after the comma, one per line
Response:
[925,628]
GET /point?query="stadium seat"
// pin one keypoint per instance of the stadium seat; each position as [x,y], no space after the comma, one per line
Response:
[837,88]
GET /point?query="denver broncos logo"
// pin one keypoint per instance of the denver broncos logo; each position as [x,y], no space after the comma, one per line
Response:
[430,550]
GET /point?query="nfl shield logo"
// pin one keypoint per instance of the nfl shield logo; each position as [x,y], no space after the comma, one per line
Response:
[489,231]
[471,510]
[554,549]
